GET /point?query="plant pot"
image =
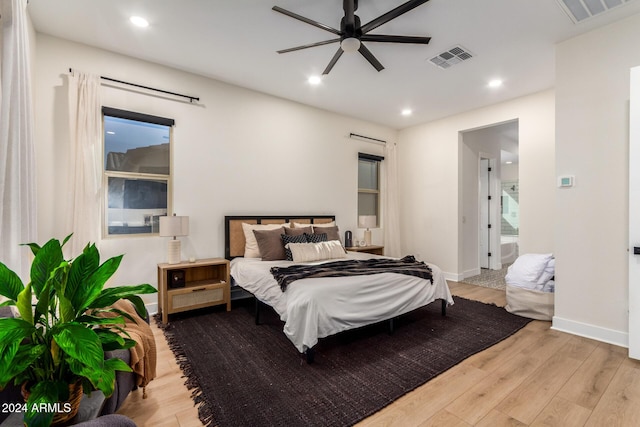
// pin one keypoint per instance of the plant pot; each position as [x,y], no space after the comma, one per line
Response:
[66,412]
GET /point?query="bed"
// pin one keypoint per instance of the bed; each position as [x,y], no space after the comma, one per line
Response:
[314,308]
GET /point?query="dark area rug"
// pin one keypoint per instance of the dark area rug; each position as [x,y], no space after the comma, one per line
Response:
[243,374]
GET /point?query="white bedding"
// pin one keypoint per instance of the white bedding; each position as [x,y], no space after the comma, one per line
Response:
[319,307]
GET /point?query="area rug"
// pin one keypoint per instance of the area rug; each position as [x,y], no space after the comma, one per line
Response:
[487,278]
[243,374]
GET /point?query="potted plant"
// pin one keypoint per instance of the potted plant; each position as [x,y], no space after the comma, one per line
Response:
[59,339]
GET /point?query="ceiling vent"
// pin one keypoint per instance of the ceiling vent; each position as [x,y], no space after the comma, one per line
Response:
[451,57]
[579,10]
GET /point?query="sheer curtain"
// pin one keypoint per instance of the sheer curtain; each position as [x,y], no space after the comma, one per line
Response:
[17,151]
[391,211]
[85,130]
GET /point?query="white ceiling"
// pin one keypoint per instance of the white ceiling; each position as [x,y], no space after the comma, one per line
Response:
[236,41]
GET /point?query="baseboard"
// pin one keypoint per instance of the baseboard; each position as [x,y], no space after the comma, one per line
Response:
[152,308]
[455,277]
[593,332]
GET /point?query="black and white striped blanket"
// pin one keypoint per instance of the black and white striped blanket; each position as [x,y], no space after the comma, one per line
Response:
[407,265]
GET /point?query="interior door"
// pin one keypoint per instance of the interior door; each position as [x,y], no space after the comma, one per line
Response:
[634,215]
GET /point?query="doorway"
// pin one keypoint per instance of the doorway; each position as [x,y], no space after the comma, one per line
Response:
[486,154]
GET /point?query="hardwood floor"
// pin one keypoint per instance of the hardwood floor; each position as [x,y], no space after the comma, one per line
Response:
[537,377]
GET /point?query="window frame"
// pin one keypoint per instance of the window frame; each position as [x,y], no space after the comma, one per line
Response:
[106,174]
[378,162]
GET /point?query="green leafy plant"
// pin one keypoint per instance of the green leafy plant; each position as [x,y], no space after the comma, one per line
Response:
[61,335]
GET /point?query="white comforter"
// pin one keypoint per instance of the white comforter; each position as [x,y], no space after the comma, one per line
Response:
[319,307]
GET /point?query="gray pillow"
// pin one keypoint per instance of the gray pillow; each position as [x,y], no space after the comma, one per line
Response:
[332,232]
[297,231]
[270,244]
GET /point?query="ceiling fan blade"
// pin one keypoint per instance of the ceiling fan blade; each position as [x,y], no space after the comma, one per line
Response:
[292,49]
[369,57]
[306,20]
[333,61]
[349,16]
[383,19]
[381,38]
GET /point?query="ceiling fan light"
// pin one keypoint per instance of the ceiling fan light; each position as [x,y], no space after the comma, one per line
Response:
[350,44]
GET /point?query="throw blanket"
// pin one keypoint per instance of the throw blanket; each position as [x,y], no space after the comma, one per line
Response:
[407,265]
[143,354]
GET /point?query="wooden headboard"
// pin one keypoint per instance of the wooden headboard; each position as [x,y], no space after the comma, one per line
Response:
[234,236]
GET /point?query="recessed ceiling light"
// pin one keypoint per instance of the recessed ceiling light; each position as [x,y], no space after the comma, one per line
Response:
[315,80]
[406,112]
[110,132]
[508,162]
[138,21]
[495,83]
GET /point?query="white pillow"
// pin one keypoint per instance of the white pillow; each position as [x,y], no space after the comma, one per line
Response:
[548,272]
[307,252]
[326,224]
[251,249]
[527,269]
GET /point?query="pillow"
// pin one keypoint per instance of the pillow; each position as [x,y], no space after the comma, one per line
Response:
[300,225]
[326,224]
[270,244]
[298,231]
[316,237]
[332,232]
[307,252]
[527,268]
[251,249]
[548,272]
[290,238]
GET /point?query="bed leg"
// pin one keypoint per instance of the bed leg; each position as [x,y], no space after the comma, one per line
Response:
[391,326]
[444,307]
[310,353]
[258,311]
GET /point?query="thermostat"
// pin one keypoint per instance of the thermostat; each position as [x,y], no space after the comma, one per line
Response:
[565,181]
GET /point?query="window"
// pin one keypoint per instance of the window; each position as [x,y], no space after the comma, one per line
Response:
[369,185]
[137,171]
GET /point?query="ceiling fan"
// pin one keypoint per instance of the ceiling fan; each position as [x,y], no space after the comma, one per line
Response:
[352,33]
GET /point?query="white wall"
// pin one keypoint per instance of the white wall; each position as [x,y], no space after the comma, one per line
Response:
[236,152]
[430,178]
[591,233]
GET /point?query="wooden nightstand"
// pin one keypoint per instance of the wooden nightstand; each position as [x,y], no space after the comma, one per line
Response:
[203,283]
[373,249]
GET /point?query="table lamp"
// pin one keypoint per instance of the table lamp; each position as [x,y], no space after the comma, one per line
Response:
[172,226]
[367,221]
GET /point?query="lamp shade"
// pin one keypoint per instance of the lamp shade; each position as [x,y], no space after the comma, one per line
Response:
[171,226]
[367,221]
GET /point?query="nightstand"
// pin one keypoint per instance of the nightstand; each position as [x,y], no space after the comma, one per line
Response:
[373,249]
[190,285]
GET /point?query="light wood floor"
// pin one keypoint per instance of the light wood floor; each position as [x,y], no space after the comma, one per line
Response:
[537,377]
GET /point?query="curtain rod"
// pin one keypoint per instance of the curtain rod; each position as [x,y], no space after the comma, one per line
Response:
[355,135]
[189,97]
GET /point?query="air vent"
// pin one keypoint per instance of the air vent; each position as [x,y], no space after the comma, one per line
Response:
[579,10]
[451,57]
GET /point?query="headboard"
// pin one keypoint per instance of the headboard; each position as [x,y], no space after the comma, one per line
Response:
[234,235]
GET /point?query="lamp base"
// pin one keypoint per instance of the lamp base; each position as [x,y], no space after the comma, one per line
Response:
[367,237]
[173,251]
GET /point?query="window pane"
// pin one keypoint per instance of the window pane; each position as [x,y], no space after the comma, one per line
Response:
[134,205]
[368,204]
[133,146]
[368,174]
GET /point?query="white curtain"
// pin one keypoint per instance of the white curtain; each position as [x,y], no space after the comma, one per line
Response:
[85,171]
[17,151]
[391,211]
